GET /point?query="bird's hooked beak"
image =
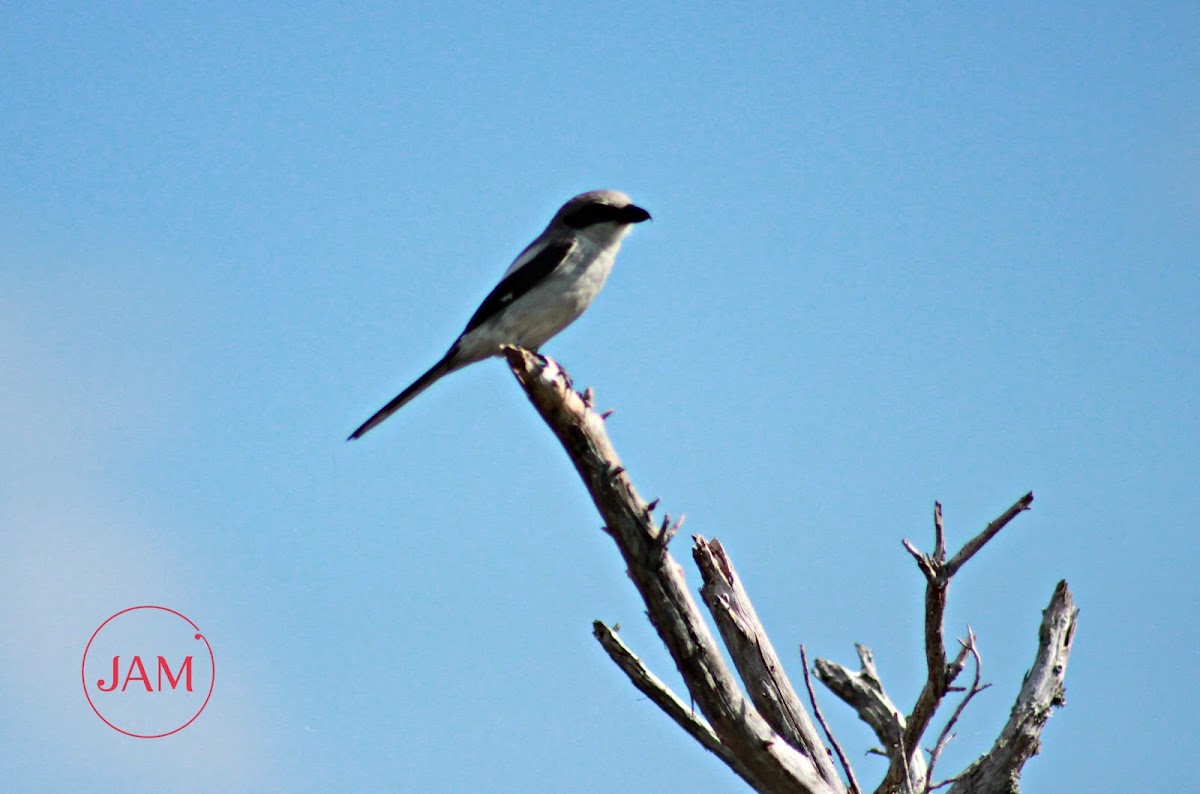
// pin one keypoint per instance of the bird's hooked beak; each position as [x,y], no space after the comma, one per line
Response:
[634,214]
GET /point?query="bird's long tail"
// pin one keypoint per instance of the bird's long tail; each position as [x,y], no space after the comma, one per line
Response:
[447,365]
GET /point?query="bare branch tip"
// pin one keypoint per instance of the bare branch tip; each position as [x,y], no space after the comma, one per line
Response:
[924,562]
[939,533]
[667,530]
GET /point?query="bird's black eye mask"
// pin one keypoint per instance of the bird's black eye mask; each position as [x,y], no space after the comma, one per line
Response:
[591,214]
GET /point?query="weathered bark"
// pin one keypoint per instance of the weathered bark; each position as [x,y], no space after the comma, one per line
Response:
[765,734]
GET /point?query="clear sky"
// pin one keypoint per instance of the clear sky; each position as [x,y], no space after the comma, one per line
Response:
[933,252]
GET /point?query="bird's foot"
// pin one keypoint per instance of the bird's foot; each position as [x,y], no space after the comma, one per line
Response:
[548,362]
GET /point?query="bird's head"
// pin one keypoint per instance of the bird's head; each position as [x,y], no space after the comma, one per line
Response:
[601,214]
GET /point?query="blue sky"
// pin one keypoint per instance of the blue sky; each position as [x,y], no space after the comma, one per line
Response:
[897,255]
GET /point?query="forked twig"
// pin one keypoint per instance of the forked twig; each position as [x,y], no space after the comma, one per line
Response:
[945,736]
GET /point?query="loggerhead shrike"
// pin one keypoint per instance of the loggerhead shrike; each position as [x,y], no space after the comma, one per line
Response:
[543,291]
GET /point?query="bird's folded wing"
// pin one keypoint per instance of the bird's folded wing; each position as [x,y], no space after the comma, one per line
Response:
[520,281]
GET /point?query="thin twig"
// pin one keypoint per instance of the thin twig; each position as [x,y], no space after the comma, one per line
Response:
[837,748]
[944,738]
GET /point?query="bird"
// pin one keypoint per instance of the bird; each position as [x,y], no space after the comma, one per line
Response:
[544,290]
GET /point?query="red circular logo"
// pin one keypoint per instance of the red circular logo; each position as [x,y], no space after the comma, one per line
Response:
[148,672]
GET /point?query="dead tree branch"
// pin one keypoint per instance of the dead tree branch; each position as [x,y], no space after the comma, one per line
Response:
[999,769]
[940,673]
[768,762]
[764,734]
[753,654]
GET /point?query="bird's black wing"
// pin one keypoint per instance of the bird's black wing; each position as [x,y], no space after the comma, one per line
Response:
[520,281]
